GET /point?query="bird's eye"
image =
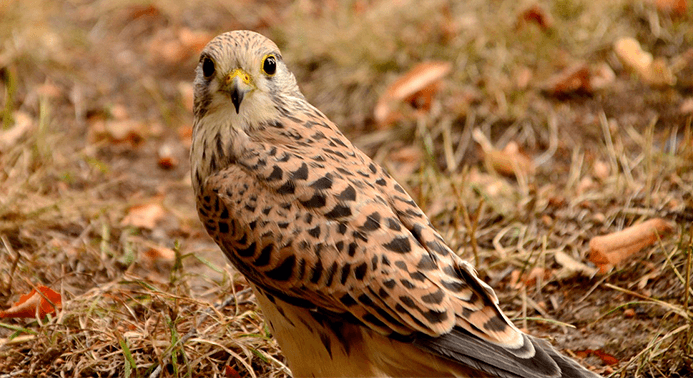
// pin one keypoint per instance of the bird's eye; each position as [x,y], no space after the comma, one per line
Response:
[207,67]
[269,65]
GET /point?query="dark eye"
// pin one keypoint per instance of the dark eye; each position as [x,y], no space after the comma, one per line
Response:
[269,65]
[207,67]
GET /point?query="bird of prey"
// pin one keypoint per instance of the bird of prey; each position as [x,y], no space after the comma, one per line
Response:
[351,276]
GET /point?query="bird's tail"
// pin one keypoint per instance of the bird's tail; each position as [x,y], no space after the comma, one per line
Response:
[536,358]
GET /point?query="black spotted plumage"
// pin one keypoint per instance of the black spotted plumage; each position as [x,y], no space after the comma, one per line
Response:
[338,253]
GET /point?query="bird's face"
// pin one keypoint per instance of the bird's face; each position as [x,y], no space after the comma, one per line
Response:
[240,78]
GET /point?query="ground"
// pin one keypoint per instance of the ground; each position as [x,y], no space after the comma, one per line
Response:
[96,201]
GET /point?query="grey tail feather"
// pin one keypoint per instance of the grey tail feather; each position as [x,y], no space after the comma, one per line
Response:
[535,359]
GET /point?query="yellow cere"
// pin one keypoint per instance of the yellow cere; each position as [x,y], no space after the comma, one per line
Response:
[245,78]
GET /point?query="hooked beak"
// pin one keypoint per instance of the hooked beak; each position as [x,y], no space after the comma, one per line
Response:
[237,85]
[237,94]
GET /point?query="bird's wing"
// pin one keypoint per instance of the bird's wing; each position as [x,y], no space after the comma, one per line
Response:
[322,226]
[317,220]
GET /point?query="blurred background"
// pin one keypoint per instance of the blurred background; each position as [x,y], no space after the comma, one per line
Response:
[525,130]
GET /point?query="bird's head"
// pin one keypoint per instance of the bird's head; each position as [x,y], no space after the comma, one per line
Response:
[241,76]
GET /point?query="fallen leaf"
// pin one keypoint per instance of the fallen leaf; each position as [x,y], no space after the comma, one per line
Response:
[230,372]
[136,11]
[529,278]
[650,70]
[673,7]
[605,357]
[166,158]
[416,87]
[510,161]
[144,216]
[608,250]
[574,79]
[117,131]
[158,258]
[538,15]
[45,302]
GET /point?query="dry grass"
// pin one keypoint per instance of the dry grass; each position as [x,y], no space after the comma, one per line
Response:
[68,66]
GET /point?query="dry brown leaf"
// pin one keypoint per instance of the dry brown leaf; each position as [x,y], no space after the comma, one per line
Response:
[120,129]
[510,161]
[166,158]
[230,372]
[416,87]
[608,250]
[538,15]
[144,216]
[650,70]
[136,11]
[529,278]
[156,257]
[673,7]
[574,79]
[35,303]
[605,357]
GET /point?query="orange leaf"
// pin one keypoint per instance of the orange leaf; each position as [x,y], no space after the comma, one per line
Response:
[529,278]
[652,71]
[416,87]
[28,304]
[230,372]
[605,357]
[144,216]
[574,79]
[538,15]
[608,250]
[167,159]
[510,161]
[674,7]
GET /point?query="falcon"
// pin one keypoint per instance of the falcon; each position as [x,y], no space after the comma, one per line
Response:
[351,276]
